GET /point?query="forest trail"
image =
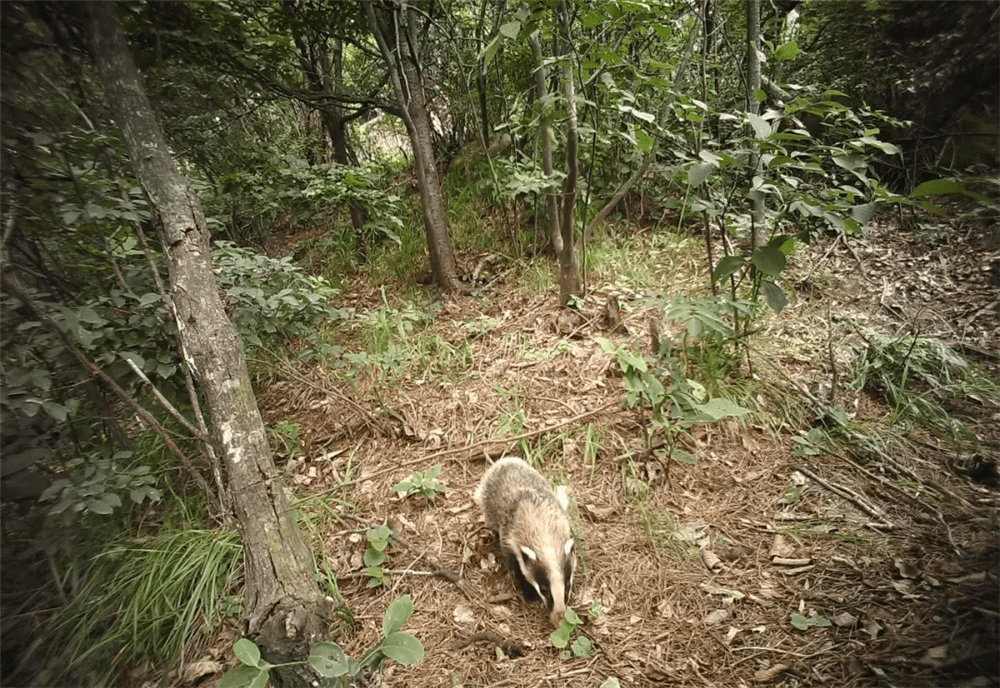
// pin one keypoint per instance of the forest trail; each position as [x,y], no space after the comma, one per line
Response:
[890,565]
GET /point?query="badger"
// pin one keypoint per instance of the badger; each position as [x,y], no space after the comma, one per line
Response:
[532,528]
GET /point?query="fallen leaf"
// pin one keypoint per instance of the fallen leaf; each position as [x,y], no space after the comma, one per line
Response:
[711,561]
[780,547]
[905,570]
[765,675]
[463,615]
[845,619]
[196,670]
[717,616]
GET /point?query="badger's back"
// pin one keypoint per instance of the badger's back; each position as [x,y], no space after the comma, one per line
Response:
[533,530]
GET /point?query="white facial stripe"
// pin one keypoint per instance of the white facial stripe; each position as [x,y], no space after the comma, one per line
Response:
[568,547]
[528,552]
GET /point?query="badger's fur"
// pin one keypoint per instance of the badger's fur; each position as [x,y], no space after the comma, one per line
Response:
[533,531]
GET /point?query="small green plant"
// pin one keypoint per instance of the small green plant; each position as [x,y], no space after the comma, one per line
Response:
[581,645]
[379,538]
[803,623]
[809,445]
[285,438]
[329,659]
[423,483]
[96,485]
[675,402]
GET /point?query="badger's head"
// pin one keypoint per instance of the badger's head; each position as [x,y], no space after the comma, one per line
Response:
[541,552]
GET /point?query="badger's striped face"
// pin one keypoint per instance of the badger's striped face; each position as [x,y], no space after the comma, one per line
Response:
[546,575]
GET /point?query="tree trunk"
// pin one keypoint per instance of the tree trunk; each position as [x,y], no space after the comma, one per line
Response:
[397,41]
[569,274]
[285,611]
[545,133]
[753,85]
[484,116]
[314,61]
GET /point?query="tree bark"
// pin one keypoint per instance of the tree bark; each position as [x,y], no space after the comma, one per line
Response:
[569,274]
[753,84]
[545,133]
[397,41]
[285,611]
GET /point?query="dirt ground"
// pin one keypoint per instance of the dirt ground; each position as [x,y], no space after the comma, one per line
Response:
[892,563]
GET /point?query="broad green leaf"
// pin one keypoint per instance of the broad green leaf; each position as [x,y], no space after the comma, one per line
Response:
[769,260]
[938,187]
[862,214]
[573,617]
[606,344]
[592,19]
[239,676]
[328,659]
[610,682]
[396,615]
[788,51]
[881,145]
[819,621]
[700,172]
[644,140]
[510,29]
[374,557]
[100,506]
[491,50]
[727,266]
[663,31]
[773,295]
[403,647]
[560,636]
[261,679]
[582,647]
[722,408]
[799,621]
[247,652]
[761,129]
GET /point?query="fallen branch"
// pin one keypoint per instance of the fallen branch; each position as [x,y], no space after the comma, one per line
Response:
[849,495]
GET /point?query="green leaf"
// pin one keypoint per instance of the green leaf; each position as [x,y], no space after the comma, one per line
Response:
[663,31]
[727,266]
[491,50]
[799,621]
[573,617]
[819,621]
[938,187]
[788,51]
[403,647]
[769,260]
[700,172]
[396,615]
[510,29]
[644,140]
[238,676]
[592,19]
[247,652]
[761,128]
[722,408]
[328,659]
[100,506]
[774,296]
[560,636]
[582,647]
[610,682]
[374,557]
[261,679]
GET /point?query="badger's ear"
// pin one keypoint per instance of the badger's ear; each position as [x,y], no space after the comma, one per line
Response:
[528,552]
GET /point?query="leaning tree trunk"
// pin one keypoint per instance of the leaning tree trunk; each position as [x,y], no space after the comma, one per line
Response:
[286,613]
[397,41]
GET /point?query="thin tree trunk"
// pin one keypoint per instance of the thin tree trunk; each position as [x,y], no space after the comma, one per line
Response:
[753,85]
[283,605]
[569,274]
[545,134]
[398,40]
[484,115]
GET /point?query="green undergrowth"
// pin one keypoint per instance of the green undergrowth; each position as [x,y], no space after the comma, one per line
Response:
[139,603]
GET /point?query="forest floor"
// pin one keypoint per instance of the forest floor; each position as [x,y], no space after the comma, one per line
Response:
[887,550]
